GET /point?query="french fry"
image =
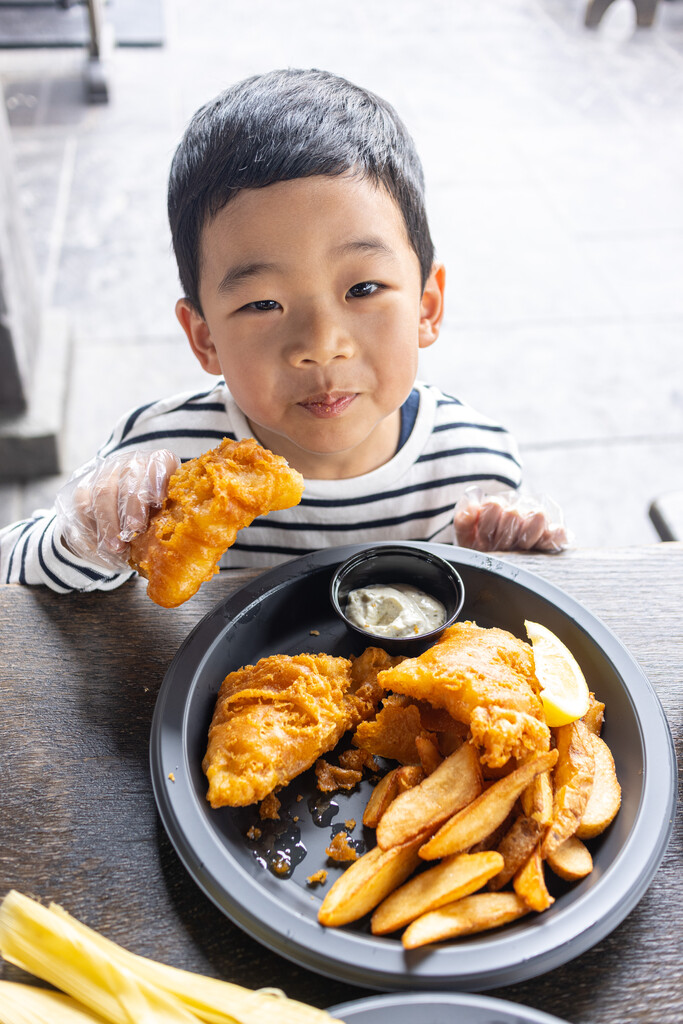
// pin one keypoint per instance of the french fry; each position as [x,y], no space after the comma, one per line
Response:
[420,811]
[428,750]
[529,883]
[595,716]
[366,883]
[454,878]
[571,860]
[480,817]
[396,781]
[537,799]
[515,848]
[472,914]
[493,840]
[573,781]
[605,796]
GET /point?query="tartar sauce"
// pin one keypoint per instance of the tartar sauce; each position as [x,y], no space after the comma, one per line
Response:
[398,610]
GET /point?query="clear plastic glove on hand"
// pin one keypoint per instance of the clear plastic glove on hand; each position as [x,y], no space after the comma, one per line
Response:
[108,501]
[509,521]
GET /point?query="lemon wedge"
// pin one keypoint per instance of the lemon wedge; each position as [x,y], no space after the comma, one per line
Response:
[564,690]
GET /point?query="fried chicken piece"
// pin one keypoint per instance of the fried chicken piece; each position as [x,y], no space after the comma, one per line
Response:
[209,499]
[484,678]
[273,720]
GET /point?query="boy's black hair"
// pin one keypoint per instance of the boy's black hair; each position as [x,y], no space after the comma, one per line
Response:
[285,125]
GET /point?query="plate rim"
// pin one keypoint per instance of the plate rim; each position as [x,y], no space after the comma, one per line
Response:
[462,1000]
[321,954]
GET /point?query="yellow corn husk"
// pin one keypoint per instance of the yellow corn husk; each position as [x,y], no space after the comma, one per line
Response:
[26,1004]
[123,987]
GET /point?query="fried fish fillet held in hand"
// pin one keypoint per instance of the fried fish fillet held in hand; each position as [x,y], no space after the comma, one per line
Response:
[274,719]
[209,499]
[484,678]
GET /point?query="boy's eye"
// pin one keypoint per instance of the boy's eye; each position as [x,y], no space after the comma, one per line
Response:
[359,291]
[262,305]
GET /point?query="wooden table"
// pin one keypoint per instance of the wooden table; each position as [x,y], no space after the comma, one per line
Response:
[79,676]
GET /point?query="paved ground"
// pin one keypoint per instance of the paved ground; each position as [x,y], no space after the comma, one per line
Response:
[553,159]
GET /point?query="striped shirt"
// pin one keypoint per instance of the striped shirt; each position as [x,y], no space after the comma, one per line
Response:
[411,497]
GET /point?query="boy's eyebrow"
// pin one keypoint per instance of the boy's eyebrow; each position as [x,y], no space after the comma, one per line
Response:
[356,245]
[242,272]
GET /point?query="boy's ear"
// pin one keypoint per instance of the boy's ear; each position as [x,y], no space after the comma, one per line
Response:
[431,306]
[198,335]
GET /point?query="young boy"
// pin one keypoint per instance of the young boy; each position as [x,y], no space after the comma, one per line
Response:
[296,204]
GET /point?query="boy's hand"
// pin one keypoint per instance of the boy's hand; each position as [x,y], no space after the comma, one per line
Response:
[508,522]
[108,501]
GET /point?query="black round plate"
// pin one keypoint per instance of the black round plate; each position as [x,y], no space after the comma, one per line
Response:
[287,611]
[438,1008]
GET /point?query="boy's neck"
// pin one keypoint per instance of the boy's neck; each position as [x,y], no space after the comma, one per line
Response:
[375,451]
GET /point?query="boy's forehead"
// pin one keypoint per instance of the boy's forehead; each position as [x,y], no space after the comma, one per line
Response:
[342,211]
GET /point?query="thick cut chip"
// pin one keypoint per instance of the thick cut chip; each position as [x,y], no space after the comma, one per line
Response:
[605,795]
[467,916]
[537,799]
[479,818]
[454,878]
[397,781]
[430,755]
[209,499]
[366,883]
[516,847]
[572,782]
[418,813]
[595,716]
[571,860]
[529,883]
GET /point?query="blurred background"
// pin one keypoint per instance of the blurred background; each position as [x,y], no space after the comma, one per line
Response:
[553,155]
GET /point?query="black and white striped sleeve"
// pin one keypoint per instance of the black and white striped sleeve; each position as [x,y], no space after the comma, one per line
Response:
[32,552]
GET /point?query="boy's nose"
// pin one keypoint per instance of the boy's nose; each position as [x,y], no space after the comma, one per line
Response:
[318,339]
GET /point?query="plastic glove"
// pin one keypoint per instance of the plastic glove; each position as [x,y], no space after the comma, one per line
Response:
[108,501]
[509,521]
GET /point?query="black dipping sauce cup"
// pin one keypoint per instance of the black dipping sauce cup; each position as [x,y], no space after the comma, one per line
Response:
[390,564]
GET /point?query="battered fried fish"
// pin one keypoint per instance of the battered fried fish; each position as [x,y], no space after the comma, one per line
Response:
[209,499]
[273,720]
[484,678]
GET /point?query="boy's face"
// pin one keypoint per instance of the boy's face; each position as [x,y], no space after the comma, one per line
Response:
[314,313]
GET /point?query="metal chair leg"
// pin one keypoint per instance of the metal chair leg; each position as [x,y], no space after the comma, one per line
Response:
[97,87]
[645,12]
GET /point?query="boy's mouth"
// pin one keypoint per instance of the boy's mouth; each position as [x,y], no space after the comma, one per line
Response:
[326,406]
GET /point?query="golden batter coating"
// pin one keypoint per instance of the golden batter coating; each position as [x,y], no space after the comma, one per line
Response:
[273,720]
[209,499]
[484,678]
